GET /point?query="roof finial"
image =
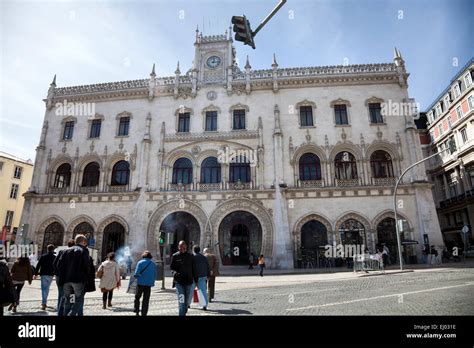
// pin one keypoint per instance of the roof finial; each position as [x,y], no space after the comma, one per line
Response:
[247,65]
[153,71]
[274,64]
[396,53]
[54,81]
[177,72]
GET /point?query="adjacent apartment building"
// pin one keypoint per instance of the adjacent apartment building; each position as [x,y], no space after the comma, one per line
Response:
[15,179]
[451,120]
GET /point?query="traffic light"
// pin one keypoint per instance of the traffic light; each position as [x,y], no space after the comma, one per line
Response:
[242,30]
[162,238]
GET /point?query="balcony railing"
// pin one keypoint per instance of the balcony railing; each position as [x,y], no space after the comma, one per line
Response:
[347,182]
[210,187]
[180,187]
[118,188]
[384,181]
[240,185]
[59,190]
[310,183]
[88,189]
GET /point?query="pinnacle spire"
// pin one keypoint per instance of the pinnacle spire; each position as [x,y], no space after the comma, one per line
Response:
[247,64]
[153,71]
[274,64]
[54,81]
[177,69]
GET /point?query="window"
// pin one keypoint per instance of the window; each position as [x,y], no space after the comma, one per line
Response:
[17,172]
[63,176]
[14,191]
[341,114]
[124,126]
[459,111]
[95,129]
[381,163]
[375,113]
[310,167]
[68,130]
[430,117]
[448,220]
[432,136]
[468,79]
[211,121]
[457,90]
[451,144]
[464,135]
[120,173]
[91,175]
[452,187]
[239,119]
[1,166]
[446,101]
[239,170]
[306,116]
[440,129]
[449,122]
[210,171]
[439,109]
[435,115]
[183,122]
[470,101]
[345,166]
[182,171]
[9,218]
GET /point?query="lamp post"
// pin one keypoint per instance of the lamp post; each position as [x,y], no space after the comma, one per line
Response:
[399,244]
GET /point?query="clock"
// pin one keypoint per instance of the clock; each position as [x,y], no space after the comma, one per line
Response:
[213,62]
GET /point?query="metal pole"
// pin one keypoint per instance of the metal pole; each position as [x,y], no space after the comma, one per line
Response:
[265,21]
[399,244]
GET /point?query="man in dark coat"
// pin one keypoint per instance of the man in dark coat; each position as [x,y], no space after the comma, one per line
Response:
[184,274]
[214,266]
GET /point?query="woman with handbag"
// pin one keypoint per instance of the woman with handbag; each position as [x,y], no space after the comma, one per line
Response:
[21,272]
[109,275]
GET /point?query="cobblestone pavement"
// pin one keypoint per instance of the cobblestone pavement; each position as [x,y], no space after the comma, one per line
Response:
[443,291]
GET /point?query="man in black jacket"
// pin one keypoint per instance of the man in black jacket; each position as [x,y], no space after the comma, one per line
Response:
[184,274]
[45,269]
[73,271]
[203,272]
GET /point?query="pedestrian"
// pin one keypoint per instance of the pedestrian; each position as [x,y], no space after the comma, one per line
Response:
[145,272]
[251,258]
[385,255]
[214,266]
[90,283]
[45,269]
[33,260]
[182,266]
[203,272]
[109,274]
[261,264]
[434,255]
[129,262]
[424,253]
[21,272]
[73,269]
[61,303]
[7,291]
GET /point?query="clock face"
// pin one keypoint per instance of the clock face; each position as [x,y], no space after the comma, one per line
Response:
[213,62]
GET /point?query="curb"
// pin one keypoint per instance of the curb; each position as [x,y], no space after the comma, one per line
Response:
[386,273]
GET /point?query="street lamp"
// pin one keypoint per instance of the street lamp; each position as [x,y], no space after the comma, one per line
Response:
[399,244]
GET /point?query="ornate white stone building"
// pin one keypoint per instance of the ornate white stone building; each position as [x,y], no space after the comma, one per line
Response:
[315,160]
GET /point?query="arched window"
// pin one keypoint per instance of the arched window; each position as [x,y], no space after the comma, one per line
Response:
[381,163]
[53,234]
[91,175]
[239,170]
[63,176]
[345,166]
[210,171]
[120,173]
[352,232]
[182,171]
[310,167]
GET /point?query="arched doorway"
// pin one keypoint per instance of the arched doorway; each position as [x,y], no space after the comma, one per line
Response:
[114,238]
[386,235]
[184,226]
[53,234]
[84,228]
[352,232]
[313,240]
[240,234]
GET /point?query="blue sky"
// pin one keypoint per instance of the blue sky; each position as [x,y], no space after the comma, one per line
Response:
[86,42]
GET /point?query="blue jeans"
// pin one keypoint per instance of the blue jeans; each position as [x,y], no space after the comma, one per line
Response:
[202,285]
[46,281]
[184,292]
[60,306]
[74,298]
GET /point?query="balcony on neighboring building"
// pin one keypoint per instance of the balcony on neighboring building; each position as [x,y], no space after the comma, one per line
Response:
[460,199]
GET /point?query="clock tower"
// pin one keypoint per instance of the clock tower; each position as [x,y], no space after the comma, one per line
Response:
[214,58]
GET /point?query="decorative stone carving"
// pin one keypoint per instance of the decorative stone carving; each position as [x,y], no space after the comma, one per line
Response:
[211,95]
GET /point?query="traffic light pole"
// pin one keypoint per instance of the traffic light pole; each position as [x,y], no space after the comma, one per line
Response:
[265,21]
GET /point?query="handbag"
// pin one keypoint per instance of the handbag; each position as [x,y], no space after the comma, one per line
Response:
[100,273]
[133,283]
